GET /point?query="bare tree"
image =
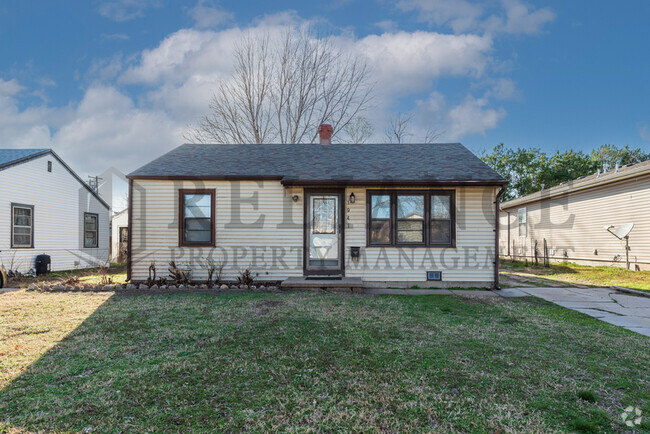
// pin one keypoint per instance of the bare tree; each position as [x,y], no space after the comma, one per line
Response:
[282,89]
[432,135]
[398,129]
[358,130]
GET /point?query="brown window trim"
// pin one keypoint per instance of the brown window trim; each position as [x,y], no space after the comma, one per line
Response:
[181,207]
[427,216]
[96,230]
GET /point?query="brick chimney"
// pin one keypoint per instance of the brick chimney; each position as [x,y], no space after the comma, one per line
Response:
[325,132]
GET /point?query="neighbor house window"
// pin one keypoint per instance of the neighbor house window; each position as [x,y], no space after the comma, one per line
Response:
[196,218]
[90,230]
[49,166]
[521,220]
[22,226]
[411,218]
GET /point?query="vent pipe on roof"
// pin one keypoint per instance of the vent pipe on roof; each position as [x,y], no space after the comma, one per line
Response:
[325,132]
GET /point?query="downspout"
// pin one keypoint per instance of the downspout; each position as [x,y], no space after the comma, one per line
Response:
[129,242]
[496,236]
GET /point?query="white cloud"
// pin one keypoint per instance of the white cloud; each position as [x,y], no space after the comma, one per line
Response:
[503,89]
[644,131]
[387,26]
[107,129]
[9,87]
[511,17]
[469,117]
[176,58]
[207,14]
[404,63]
[125,10]
[472,116]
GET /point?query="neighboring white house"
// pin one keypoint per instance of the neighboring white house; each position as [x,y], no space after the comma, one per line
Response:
[572,218]
[391,215]
[119,236]
[46,208]
[113,187]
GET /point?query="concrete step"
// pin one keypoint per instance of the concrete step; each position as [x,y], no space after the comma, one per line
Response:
[302,282]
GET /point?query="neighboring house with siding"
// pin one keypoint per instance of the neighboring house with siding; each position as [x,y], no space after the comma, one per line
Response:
[119,236]
[573,217]
[397,215]
[46,208]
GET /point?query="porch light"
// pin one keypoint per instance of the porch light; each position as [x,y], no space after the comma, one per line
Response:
[352,198]
[295,198]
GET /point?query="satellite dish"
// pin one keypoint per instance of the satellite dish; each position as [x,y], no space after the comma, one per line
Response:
[623,230]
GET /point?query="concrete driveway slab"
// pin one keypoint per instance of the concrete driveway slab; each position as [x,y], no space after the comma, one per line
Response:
[605,304]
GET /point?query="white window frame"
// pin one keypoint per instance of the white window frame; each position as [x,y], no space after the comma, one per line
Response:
[522,212]
[14,245]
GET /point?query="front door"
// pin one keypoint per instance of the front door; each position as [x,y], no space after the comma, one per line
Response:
[323,228]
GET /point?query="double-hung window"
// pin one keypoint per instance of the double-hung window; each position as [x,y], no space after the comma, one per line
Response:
[196,218]
[411,218]
[521,222]
[379,226]
[22,226]
[91,230]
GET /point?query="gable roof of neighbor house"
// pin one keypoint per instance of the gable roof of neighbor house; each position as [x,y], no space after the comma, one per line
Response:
[311,164]
[13,157]
[592,181]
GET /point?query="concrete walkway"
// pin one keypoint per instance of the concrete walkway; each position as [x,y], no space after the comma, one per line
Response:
[8,290]
[623,310]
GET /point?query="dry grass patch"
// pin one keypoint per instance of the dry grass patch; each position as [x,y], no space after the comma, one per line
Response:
[571,274]
[30,325]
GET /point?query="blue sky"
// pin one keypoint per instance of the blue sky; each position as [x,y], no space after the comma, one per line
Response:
[117,82]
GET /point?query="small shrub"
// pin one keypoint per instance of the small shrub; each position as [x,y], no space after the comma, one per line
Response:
[72,280]
[151,279]
[177,275]
[215,271]
[103,274]
[246,277]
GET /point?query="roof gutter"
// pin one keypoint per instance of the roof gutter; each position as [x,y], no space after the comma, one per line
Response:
[388,183]
[496,237]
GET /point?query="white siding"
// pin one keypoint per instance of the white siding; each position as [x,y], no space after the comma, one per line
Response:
[59,202]
[274,247]
[573,225]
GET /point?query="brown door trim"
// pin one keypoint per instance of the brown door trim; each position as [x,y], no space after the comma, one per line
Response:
[305,226]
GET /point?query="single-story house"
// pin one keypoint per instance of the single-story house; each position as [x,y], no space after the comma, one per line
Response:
[383,214]
[47,209]
[119,236]
[577,220]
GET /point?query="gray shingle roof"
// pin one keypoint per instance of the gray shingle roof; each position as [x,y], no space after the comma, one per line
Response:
[303,164]
[9,157]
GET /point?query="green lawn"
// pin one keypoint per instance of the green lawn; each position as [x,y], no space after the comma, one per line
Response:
[306,361]
[570,273]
